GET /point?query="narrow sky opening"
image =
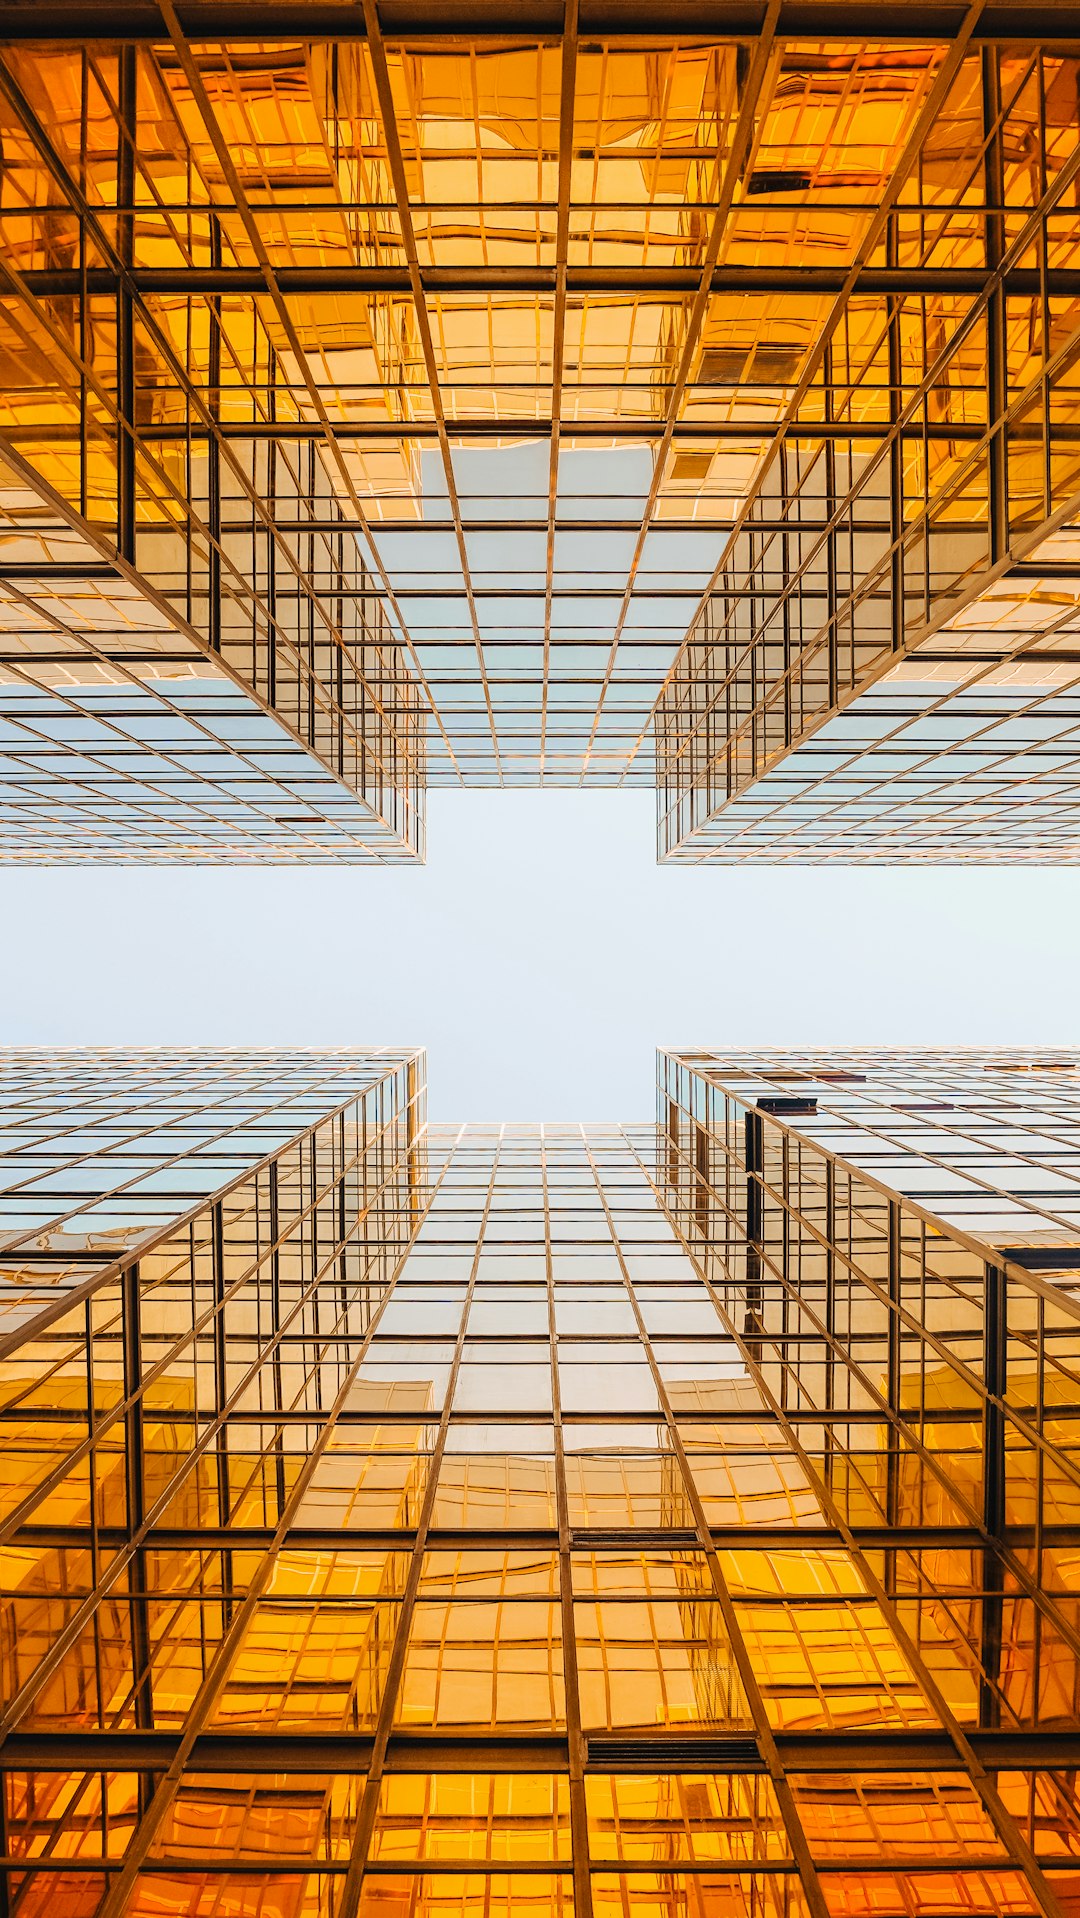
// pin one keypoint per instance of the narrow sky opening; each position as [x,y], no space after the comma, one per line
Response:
[541,956]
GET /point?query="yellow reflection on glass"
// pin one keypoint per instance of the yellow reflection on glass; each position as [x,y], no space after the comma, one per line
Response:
[461,1816]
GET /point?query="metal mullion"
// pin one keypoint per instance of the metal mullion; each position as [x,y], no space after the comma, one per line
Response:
[934,99]
[131,1550]
[753,105]
[147,1377]
[81,797]
[539,1538]
[396,163]
[826,1752]
[977,1247]
[237,278]
[852,20]
[744,1666]
[319,1340]
[289,1865]
[317,601]
[96,805]
[81,296]
[127,125]
[332,154]
[898,779]
[159,1235]
[568,83]
[132,441]
[142,1692]
[271,208]
[94,1527]
[835,1347]
[1008,787]
[127,205]
[1043,294]
[1039,1560]
[365,1823]
[996,316]
[989,666]
[995,1351]
[1034,223]
[579,1820]
[147,783]
[213,460]
[1020,1853]
[273,286]
[209,1692]
[262,398]
[598,525]
[164,345]
[482,426]
[893,1367]
[839,1349]
[897,577]
[176,620]
[275,1311]
[221,1376]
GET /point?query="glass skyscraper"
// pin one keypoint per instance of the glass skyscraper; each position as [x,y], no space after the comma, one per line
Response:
[667,1520]
[400,396]
[675,1522]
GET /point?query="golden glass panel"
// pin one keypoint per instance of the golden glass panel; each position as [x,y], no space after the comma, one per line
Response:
[489,1574]
[490,1493]
[469,1817]
[215,1819]
[201,1895]
[683,1818]
[612,1492]
[698,1895]
[484,1665]
[461,1896]
[929,1816]
[349,1490]
[657,1664]
[894,1894]
[310,1668]
[70,1815]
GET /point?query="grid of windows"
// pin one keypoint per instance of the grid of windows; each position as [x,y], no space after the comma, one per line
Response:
[916,499]
[438,385]
[148,715]
[918,769]
[895,1239]
[195,1248]
[521,1540]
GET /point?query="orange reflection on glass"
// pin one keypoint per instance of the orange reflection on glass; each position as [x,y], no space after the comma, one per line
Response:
[484,1665]
[681,1818]
[465,1896]
[305,1816]
[459,1816]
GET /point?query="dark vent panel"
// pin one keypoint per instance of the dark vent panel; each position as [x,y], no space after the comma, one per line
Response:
[735,1753]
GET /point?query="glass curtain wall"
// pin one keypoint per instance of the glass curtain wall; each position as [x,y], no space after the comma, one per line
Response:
[450,397]
[890,632]
[517,1584]
[894,1240]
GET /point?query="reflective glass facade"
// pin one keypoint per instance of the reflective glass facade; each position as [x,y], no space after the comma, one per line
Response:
[670,1523]
[894,1239]
[395,396]
[916,500]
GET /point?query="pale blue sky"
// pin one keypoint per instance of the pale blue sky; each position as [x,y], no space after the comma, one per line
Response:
[541,956]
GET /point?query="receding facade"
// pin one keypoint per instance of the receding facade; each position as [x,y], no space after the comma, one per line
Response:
[671,1522]
[411,397]
[674,1520]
